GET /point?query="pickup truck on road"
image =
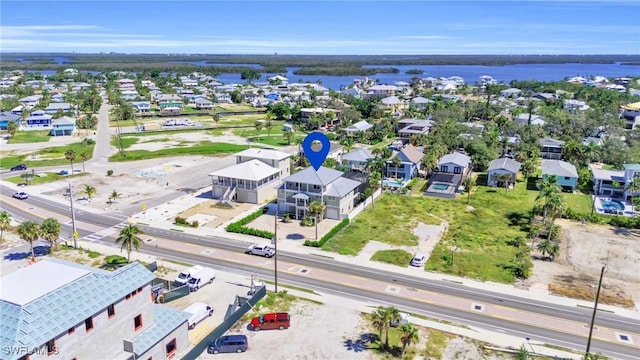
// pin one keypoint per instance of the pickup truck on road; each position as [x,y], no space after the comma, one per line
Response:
[261,250]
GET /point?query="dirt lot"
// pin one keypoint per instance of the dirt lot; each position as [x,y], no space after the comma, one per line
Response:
[210,215]
[584,249]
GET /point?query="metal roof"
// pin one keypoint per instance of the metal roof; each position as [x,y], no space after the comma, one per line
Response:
[455,158]
[359,154]
[54,305]
[324,176]
[165,321]
[254,170]
[558,168]
[341,187]
[506,164]
[264,154]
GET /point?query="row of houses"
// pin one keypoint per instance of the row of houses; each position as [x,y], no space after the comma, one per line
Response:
[40,120]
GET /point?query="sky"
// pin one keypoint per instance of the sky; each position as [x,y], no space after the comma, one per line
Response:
[322,27]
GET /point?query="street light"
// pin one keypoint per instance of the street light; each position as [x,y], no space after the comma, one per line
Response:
[74,233]
[531,346]
[593,291]
[275,247]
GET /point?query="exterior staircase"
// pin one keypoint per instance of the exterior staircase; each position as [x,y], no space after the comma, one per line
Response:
[227,197]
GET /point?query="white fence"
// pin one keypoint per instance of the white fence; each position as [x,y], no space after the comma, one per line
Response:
[363,205]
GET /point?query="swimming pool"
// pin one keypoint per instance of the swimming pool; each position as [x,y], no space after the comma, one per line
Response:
[393,183]
[440,186]
[612,204]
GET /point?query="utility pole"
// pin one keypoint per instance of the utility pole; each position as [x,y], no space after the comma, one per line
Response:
[595,308]
[275,246]
[74,233]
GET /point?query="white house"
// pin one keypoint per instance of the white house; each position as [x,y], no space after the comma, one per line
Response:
[502,172]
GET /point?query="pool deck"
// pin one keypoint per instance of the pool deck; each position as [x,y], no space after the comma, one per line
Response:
[628,208]
[449,192]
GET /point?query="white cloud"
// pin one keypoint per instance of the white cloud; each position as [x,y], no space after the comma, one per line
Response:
[37,30]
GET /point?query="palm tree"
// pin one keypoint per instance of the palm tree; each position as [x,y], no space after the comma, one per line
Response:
[505,179]
[534,230]
[84,156]
[71,156]
[469,183]
[316,208]
[5,222]
[268,125]
[591,151]
[408,335]
[548,187]
[50,231]
[378,321]
[29,232]
[258,126]
[391,315]
[396,162]
[546,247]
[90,191]
[128,238]
[289,135]
[114,195]
[556,205]
[216,118]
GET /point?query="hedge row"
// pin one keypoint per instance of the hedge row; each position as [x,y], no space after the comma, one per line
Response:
[631,222]
[240,228]
[327,236]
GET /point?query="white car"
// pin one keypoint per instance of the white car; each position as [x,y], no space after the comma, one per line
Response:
[418,260]
[261,250]
[20,195]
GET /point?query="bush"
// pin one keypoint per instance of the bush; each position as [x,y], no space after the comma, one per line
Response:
[239,227]
[181,221]
[327,236]
[115,260]
[93,254]
[109,172]
[307,221]
[195,223]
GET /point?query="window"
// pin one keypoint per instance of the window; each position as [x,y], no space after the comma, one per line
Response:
[88,324]
[128,296]
[111,311]
[137,322]
[71,331]
[457,170]
[171,348]
[133,293]
[443,168]
[139,290]
[567,178]
[51,347]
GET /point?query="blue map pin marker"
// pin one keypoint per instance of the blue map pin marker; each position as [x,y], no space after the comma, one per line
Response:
[316,156]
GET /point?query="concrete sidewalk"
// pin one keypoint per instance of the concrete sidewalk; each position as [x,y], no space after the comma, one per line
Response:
[497,339]
[161,213]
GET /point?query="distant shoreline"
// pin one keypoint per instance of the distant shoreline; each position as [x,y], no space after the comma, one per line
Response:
[235,63]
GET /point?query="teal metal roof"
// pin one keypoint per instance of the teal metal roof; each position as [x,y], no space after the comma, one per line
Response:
[634,167]
[165,321]
[47,316]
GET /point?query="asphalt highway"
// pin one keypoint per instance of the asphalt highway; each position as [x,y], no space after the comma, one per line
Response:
[508,326]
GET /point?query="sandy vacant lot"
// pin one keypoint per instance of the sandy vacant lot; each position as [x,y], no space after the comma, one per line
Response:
[584,249]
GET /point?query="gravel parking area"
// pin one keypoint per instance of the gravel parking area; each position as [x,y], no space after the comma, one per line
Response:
[318,331]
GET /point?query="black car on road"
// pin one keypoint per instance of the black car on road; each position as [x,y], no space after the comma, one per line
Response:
[19,167]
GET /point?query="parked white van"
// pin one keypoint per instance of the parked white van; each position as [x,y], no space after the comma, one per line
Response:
[185,274]
[201,278]
[199,311]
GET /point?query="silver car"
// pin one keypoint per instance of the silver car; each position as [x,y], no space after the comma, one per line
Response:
[418,260]
[20,195]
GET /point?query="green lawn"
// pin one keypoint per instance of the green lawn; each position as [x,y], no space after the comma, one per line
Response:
[391,220]
[235,107]
[42,178]
[50,156]
[480,231]
[31,136]
[201,148]
[395,257]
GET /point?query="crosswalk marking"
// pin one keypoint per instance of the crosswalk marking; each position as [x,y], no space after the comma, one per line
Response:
[105,232]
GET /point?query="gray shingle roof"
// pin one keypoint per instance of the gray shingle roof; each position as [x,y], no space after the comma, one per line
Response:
[455,158]
[324,176]
[558,168]
[551,142]
[506,164]
[341,187]
[359,154]
[165,321]
[410,154]
[60,295]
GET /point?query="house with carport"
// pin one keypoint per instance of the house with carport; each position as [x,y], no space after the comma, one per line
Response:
[565,173]
[414,127]
[615,183]
[503,172]
[38,120]
[551,148]
[337,193]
